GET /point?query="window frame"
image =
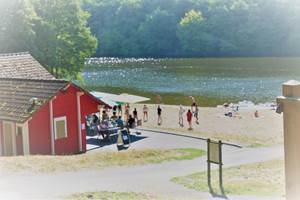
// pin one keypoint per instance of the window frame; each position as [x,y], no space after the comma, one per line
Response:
[22,130]
[58,119]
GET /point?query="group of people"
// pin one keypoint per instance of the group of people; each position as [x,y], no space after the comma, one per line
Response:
[131,118]
[193,112]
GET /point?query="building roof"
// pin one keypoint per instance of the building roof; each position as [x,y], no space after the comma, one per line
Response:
[20,98]
[22,65]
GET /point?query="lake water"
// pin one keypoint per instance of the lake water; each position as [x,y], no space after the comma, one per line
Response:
[254,79]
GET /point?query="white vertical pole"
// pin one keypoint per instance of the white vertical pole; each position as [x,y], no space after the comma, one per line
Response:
[78,95]
[51,127]
[290,104]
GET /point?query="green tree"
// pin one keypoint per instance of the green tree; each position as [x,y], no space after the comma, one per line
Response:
[63,39]
[192,34]
[16,25]
[158,34]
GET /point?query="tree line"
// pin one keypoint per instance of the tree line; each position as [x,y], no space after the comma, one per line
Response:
[195,28]
[61,34]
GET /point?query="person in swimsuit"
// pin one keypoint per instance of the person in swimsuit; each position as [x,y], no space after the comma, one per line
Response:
[145,111]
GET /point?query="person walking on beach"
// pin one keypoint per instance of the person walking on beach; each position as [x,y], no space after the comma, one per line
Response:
[145,111]
[196,114]
[194,104]
[159,119]
[135,114]
[189,116]
[181,112]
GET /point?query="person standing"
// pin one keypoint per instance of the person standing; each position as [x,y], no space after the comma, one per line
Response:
[120,110]
[159,118]
[145,111]
[196,114]
[189,116]
[135,114]
[114,110]
[127,111]
[181,112]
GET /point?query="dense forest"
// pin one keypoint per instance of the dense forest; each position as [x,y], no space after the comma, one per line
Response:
[195,28]
[61,34]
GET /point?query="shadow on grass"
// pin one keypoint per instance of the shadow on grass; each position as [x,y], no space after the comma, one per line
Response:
[216,194]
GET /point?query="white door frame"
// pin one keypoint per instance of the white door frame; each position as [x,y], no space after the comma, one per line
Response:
[25,137]
[14,145]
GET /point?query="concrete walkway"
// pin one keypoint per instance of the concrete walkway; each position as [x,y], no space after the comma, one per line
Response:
[151,179]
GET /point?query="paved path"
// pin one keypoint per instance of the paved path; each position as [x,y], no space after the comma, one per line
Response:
[152,179]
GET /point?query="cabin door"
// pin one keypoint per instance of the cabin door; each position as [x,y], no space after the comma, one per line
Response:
[8,136]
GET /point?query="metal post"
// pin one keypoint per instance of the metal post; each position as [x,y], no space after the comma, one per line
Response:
[220,167]
[208,167]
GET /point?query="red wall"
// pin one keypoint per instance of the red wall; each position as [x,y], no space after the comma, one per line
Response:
[1,138]
[64,105]
[88,106]
[39,132]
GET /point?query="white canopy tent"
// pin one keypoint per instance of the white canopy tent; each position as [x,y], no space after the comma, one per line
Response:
[118,99]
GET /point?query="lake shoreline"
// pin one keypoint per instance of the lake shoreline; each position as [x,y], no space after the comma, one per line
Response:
[174,98]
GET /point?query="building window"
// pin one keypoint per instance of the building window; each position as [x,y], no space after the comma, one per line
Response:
[19,130]
[60,127]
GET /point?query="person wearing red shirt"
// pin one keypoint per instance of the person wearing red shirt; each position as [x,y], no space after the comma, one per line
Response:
[189,116]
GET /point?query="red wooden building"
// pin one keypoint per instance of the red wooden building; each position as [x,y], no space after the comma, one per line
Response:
[42,116]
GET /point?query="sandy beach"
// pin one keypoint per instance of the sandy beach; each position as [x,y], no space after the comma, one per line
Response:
[243,129]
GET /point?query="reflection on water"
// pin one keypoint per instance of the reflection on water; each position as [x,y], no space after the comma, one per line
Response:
[255,79]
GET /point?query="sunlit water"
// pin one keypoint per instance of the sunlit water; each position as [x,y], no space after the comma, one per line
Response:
[254,79]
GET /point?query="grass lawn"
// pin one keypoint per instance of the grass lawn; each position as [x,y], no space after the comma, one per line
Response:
[110,196]
[266,178]
[96,160]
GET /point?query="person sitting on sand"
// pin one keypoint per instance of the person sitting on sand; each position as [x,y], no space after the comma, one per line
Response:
[159,119]
[256,115]
[189,116]
[145,111]
[181,112]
